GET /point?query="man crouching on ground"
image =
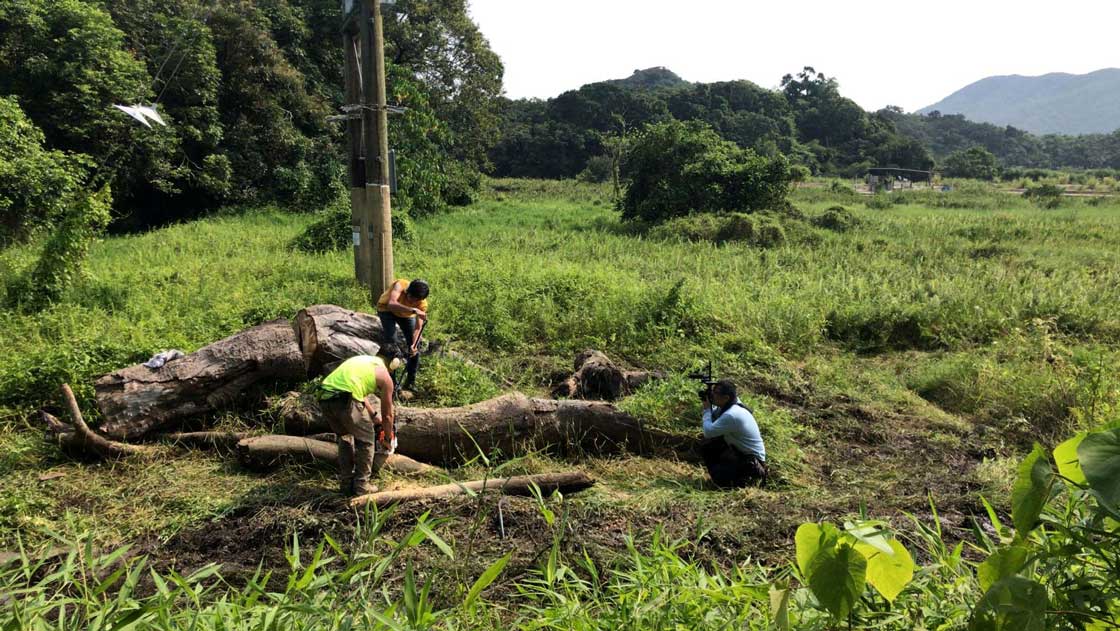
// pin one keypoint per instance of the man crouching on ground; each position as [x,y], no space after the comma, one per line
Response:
[732,449]
[343,399]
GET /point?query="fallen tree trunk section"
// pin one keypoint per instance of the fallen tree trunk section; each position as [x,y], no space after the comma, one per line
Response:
[514,423]
[266,452]
[78,437]
[204,440]
[329,334]
[569,482]
[138,399]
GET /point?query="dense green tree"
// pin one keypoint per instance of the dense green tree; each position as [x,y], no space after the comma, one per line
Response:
[276,134]
[438,42]
[67,63]
[679,168]
[175,42]
[976,163]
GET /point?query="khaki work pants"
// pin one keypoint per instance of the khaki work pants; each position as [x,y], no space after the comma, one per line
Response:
[356,436]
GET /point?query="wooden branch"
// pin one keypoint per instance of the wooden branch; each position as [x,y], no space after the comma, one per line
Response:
[265,452]
[568,482]
[88,439]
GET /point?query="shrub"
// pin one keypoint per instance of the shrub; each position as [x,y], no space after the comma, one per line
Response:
[598,169]
[1045,195]
[757,230]
[34,182]
[882,201]
[674,169]
[60,264]
[333,230]
[836,218]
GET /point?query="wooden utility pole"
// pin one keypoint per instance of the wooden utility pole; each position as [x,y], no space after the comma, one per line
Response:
[367,132]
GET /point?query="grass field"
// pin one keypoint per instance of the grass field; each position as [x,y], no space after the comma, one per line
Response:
[906,356]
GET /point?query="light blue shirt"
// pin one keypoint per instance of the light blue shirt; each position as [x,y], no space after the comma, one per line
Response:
[738,428]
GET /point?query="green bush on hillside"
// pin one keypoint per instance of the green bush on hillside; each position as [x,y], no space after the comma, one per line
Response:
[674,169]
[34,182]
[60,263]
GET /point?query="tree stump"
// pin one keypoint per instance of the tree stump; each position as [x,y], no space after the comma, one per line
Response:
[597,378]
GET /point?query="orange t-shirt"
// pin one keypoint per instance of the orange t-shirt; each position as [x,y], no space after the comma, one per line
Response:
[405,299]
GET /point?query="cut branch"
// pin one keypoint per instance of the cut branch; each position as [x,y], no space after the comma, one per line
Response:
[266,452]
[568,482]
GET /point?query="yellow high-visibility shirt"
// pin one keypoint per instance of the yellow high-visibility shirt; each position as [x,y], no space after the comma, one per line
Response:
[356,376]
[405,299]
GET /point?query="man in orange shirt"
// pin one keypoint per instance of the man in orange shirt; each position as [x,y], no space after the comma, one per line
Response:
[404,304]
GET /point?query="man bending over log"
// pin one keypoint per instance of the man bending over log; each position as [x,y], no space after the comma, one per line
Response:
[343,399]
[404,304]
[732,449]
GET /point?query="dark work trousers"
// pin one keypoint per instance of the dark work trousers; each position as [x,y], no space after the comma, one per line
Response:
[729,467]
[389,324]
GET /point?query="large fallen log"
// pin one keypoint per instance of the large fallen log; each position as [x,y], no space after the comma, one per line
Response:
[513,424]
[138,399]
[569,482]
[266,452]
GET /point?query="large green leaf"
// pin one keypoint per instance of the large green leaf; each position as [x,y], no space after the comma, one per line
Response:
[890,573]
[1065,456]
[1013,604]
[870,532]
[1031,490]
[1001,564]
[1099,454]
[837,576]
[810,538]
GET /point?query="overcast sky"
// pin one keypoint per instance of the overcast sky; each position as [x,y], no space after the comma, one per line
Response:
[910,54]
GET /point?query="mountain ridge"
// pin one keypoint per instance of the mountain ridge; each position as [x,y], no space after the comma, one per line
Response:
[1053,103]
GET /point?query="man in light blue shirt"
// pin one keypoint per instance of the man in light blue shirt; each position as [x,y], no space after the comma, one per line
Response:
[732,449]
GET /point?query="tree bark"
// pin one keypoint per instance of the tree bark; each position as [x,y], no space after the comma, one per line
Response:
[329,334]
[266,452]
[568,482]
[138,399]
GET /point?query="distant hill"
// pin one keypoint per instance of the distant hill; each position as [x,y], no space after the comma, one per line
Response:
[649,79]
[1056,103]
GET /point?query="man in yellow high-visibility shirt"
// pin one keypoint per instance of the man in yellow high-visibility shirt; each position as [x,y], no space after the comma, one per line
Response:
[343,399]
[404,304]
